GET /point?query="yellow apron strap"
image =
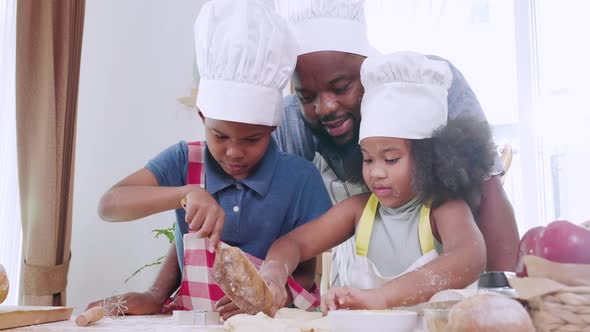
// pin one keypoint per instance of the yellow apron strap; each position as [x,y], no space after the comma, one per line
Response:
[363,233]
[424,230]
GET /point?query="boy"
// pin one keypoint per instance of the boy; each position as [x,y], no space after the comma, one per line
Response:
[252,194]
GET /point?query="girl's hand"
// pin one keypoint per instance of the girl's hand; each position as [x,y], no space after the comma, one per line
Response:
[275,274]
[204,215]
[353,298]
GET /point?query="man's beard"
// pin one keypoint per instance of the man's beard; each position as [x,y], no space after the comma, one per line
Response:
[349,152]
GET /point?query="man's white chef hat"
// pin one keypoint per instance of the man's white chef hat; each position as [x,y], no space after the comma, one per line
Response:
[327,25]
[246,54]
[405,95]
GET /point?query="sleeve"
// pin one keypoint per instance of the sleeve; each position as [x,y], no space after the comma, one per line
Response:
[463,101]
[293,136]
[314,200]
[170,166]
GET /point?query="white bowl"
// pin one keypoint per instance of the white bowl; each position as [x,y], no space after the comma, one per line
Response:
[372,320]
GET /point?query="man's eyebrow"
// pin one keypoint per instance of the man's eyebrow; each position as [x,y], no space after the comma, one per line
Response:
[338,79]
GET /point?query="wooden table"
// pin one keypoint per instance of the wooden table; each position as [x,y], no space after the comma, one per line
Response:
[129,323]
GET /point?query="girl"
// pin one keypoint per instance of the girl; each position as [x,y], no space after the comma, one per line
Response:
[415,234]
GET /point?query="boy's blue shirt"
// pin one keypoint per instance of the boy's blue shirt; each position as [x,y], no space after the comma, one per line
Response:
[283,192]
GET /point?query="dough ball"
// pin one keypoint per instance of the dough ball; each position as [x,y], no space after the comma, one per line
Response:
[3,284]
[489,313]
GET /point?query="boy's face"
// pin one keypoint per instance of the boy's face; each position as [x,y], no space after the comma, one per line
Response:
[388,167]
[237,147]
[329,89]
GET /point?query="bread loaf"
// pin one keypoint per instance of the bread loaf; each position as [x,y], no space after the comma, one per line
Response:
[489,313]
[3,284]
[241,282]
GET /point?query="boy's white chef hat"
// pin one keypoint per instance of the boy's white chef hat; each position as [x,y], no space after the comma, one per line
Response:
[327,25]
[246,54]
[405,95]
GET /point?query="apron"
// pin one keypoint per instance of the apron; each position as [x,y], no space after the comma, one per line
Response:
[198,289]
[363,274]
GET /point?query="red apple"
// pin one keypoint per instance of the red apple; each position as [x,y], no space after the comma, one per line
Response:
[561,241]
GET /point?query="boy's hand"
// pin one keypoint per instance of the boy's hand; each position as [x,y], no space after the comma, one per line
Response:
[145,303]
[204,215]
[353,298]
[226,308]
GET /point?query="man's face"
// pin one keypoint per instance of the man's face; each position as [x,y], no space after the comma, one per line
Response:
[329,89]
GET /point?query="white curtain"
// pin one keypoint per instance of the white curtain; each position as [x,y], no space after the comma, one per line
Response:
[10,218]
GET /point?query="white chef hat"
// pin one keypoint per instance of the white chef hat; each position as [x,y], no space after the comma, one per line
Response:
[246,54]
[327,25]
[405,95]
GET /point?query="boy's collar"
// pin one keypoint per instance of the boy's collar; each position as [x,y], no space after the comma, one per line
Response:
[259,181]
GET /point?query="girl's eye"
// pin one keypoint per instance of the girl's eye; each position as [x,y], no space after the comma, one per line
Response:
[367,161]
[220,137]
[391,161]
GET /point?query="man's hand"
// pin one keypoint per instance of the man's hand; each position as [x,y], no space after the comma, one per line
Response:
[353,298]
[204,215]
[137,303]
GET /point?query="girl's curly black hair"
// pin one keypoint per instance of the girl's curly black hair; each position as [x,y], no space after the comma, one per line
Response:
[454,163]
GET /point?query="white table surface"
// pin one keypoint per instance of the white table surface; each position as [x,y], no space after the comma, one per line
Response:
[129,323]
[152,323]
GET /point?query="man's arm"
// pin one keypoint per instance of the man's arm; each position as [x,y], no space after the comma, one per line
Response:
[495,219]
[152,301]
[498,225]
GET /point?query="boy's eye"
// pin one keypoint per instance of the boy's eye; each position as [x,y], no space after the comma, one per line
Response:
[219,136]
[253,140]
[367,161]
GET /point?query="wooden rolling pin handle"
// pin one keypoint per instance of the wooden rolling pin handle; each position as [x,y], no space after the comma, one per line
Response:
[90,316]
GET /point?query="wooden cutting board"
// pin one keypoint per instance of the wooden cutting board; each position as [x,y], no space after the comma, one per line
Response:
[16,316]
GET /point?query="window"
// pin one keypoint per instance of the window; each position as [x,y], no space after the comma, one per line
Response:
[527,63]
[10,222]
[563,105]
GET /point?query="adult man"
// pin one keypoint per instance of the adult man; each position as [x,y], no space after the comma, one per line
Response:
[321,120]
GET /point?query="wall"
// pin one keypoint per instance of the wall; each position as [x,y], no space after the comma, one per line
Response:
[136,60]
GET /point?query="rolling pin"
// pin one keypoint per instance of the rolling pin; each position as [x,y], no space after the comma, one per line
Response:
[240,280]
[90,316]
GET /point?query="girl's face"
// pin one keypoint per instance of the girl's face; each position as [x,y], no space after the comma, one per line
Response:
[388,166]
[237,147]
